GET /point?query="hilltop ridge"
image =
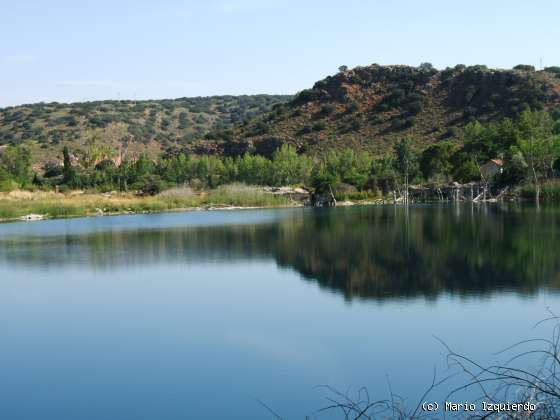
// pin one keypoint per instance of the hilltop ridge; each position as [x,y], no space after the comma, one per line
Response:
[365,108]
[370,108]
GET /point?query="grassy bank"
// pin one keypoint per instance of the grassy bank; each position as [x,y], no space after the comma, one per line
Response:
[17,204]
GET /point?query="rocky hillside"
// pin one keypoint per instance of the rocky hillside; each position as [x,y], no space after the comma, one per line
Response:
[365,108]
[369,108]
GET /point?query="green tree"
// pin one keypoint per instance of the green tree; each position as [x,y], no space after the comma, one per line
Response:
[435,160]
[290,168]
[383,173]
[353,168]
[467,171]
[254,169]
[537,144]
[7,183]
[16,161]
[323,178]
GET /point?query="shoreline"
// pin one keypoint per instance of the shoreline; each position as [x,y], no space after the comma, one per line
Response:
[24,206]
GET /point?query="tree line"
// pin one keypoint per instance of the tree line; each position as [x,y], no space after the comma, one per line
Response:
[529,147]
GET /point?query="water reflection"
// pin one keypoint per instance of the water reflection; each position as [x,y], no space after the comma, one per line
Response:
[366,252]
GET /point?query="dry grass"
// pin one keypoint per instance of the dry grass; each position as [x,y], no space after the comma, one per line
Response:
[244,195]
[16,204]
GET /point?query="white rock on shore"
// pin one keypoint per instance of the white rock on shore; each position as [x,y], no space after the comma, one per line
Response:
[32,217]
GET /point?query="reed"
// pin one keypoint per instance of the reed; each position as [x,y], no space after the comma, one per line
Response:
[242,195]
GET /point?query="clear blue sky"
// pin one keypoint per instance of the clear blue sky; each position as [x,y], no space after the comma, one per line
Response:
[68,50]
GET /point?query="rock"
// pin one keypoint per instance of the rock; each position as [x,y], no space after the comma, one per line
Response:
[296,194]
[32,217]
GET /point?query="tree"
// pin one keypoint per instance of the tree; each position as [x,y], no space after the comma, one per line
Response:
[324,178]
[6,181]
[436,160]
[536,144]
[524,67]
[427,68]
[290,168]
[353,168]
[467,171]
[254,169]
[93,153]
[406,162]
[69,176]
[16,161]
[383,173]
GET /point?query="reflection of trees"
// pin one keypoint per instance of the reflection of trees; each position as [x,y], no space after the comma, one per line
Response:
[375,252]
[385,253]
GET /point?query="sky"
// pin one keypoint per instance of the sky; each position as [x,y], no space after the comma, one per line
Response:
[68,50]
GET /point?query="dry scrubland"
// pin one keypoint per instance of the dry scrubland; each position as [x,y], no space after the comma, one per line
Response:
[16,204]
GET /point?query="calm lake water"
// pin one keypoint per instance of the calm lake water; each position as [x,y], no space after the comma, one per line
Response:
[202,314]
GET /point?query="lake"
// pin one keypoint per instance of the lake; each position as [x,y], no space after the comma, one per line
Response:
[216,314]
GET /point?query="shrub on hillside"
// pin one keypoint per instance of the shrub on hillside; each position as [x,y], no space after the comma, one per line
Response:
[327,109]
[319,126]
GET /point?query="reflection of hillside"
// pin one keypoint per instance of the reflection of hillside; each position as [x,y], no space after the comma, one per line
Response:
[378,252]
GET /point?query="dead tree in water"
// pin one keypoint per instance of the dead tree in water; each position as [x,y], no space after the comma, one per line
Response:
[405,161]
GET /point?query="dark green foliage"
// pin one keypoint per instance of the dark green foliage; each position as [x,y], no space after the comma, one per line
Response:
[352,107]
[151,184]
[105,166]
[51,170]
[467,171]
[355,125]
[260,128]
[524,67]
[319,126]
[436,160]
[327,109]
[427,68]
[515,169]
[305,96]
[225,134]
[165,124]
[553,69]
[415,107]
[477,91]
[402,123]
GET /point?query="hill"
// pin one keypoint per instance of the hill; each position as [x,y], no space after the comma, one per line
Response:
[370,108]
[152,125]
[366,108]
